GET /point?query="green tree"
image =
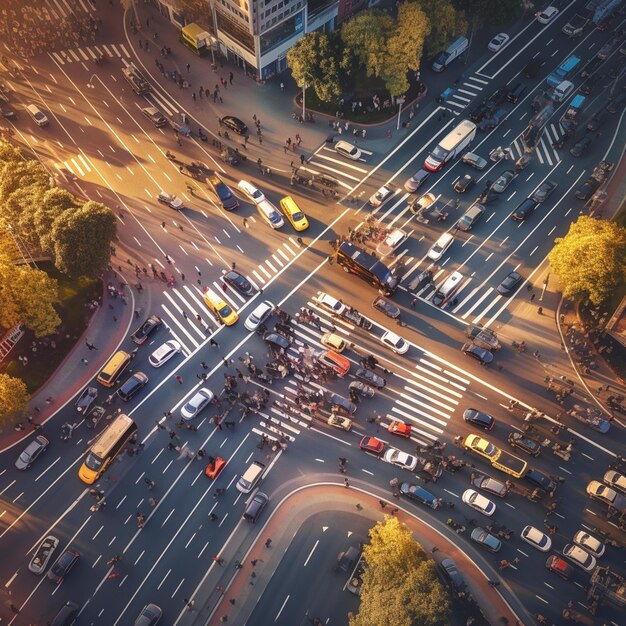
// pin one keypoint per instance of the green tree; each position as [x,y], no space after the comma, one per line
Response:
[13,397]
[447,24]
[83,238]
[54,202]
[400,583]
[492,11]
[313,63]
[590,261]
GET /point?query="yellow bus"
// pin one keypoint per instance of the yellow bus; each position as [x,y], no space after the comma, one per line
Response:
[195,38]
[106,448]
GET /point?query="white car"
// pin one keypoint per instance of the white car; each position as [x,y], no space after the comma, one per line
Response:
[251,192]
[259,315]
[580,557]
[391,242]
[164,353]
[615,480]
[401,459]
[198,401]
[479,502]
[380,196]
[536,538]
[498,42]
[592,545]
[171,200]
[330,303]
[348,150]
[547,15]
[440,246]
[394,342]
[270,214]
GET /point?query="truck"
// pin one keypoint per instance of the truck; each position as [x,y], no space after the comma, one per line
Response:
[501,460]
[571,117]
[598,176]
[563,71]
[607,586]
[574,28]
[604,10]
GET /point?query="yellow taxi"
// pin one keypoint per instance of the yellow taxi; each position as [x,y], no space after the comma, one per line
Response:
[294,214]
[334,342]
[222,310]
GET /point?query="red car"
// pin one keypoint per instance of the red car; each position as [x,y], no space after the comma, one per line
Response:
[560,567]
[398,427]
[371,444]
[213,469]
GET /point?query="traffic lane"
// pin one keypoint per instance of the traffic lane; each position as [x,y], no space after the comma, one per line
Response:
[290,596]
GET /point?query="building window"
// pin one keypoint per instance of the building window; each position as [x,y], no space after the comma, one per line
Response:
[238,33]
[284,31]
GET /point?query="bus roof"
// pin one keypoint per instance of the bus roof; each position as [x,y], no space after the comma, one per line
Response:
[111,435]
[458,134]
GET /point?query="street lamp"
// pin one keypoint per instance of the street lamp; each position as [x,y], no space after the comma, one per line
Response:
[400,100]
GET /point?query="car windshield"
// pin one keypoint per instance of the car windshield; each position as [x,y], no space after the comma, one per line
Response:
[223,192]
[225,311]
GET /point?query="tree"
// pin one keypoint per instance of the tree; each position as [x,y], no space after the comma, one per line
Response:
[83,238]
[313,63]
[400,583]
[54,203]
[590,261]
[492,11]
[447,24]
[13,397]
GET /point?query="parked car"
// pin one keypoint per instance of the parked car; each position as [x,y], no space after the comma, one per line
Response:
[140,336]
[371,444]
[540,480]
[536,538]
[523,443]
[484,357]
[485,539]
[597,119]
[547,15]
[200,400]
[235,124]
[386,307]
[465,183]
[236,280]
[400,459]
[479,502]
[132,385]
[394,342]
[543,191]
[615,480]
[580,557]
[491,485]
[478,418]
[498,42]
[86,399]
[32,452]
[42,555]
[62,566]
[589,543]
[370,378]
[606,495]
[560,567]
[164,353]
[503,181]
[580,147]
[451,574]
[171,200]
[509,284]
[225,196]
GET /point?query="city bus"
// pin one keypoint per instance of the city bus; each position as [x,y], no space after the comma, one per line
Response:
[367,267]
[108,445]
[452,144]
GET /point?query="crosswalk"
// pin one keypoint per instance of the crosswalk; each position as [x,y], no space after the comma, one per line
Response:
[52,10]
[91,53]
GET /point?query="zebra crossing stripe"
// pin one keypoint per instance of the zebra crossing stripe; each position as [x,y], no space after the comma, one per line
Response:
[84,162]
[109,53]
[58,58]
[123,48]
[80,171]
[174,319]
[259,278]
[85,57]
[76,57]
[116,52]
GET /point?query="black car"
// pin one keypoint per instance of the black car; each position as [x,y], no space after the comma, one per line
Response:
[86,399]
[276,341]
[580,147]
[587,189]
[478,418]
[421,280]
[238,282]
[496,98]
[386,307]
[222,191]
[132,386]
[509,284]
[587,87]
[371,378]
[451,574]
[464,183]
[518,440]
[235,124]
[525,209]
[484,357]
[596,120]
[532,69]
[342,403]
[62,566]
[538,479]
[543,191]
[146,329]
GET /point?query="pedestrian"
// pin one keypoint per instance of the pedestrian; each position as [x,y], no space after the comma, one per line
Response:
[153,502]
[346,482]
[413,303]
[204,366]
[189,604]
[532,297]
[213,517]
[219,560]
[282,86]
[225,362]
[245,222]
[231,77]
[359,507]
[268,543]
[149,482]
[302,159]
[232,601]
[382,503]
[188,67]
[212,342]
[179,379]
[90,346]
[540,311]
[84,361]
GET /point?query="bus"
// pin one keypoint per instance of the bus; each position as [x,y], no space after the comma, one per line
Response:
[451,145]
[108,445]
[195,38]
[367,267]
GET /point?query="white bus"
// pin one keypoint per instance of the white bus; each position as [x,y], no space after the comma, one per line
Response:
[451,145]
[448,289]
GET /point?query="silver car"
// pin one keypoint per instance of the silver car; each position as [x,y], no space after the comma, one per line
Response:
[196,403]
[31,452]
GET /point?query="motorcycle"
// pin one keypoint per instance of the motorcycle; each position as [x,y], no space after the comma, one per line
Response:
[458,528]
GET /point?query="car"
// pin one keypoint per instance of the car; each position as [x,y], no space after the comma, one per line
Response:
[604,494]
[438,249]
[616,103]
[537,539]
[422,203]
[343,404]
[201,399]
[43,554]
[276,341]
[493,486]
[524,210]
[340,421]
[486,539]
[155,116]
[615,480]
[468,220]
[465,183]
[86,399]
[483,356]
[294,214]
[371,444]
[330,304]
[451,574]
[560,567]
[386,307]
[480,446]
[255,507]
[475,161]
[226,198]
[483,337]
[525,444]
[543,191]
[509,284]
[141,335]
[132,385]
[362,389]
[498,42]
[62,566]
[236,280]
[339,364]
[400,428]
[270,214]
[149,616]
[347,150]
[540,480]
[251,192]
[235,124]
[371,378]
[593,546]
[479,502]
[503,181]
[214,467]
[391,242]
[31,452]
[401,459]
[587,87]
[416,181]
[380,196]
[164,353]
[597,119]
[547,15]
[394,342]
[478,418]
[261,313]
[221,310]
[580,557]
[531,69]
[581,147]
[333,342]
[171,200]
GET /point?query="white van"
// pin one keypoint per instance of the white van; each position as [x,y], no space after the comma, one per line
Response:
[250,477]
[37,114]
[440,246]
[453,51]
[448,289]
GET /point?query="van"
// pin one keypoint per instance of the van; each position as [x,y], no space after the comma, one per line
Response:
[475,161]
[37,114]
[222,311]
[255,507]
[250,477]
[415,492]
[112,370]
[453,51]
[66,615]
[339,364]
[515,94]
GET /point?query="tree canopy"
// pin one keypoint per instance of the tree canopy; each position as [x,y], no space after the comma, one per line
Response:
[400,583]
[590,261]
[493,11]
[13,397]
[447,23]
